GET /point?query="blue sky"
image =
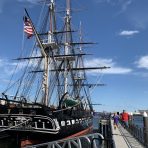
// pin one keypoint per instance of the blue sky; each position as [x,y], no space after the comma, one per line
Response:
[120,27]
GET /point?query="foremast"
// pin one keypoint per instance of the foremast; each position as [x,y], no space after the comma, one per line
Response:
[44,54]
[46,46]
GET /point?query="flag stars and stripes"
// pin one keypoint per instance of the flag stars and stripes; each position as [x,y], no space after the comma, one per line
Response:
[27,27]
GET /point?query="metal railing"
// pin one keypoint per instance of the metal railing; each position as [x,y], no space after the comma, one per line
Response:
[138,133]
[87,141]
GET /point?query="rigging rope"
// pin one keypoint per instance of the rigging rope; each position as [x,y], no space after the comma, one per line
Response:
[98,80]
[7,88]
[22,77]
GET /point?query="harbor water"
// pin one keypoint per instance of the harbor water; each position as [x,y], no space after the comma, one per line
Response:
[137,120]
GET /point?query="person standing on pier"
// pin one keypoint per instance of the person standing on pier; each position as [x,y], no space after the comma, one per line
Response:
[125,118]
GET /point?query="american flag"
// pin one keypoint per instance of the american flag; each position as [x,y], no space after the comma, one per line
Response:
[27,27]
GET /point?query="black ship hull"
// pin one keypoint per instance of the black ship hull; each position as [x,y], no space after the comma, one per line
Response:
[42,124]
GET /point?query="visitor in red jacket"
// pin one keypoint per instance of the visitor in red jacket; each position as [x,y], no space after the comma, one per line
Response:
[125,118]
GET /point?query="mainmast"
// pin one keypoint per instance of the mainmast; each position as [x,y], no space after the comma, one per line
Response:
[67,43]
[48,46]
[52,25]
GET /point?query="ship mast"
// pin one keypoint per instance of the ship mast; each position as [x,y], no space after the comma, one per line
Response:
[67,44]
[46,68]
[49,43]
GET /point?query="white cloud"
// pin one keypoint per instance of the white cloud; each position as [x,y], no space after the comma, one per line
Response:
[128,32]
[115,69]
[142,62]
[30,1]
[2,4]
[8,67]
[135,11]
[118,70]
[102,1]
[12,67]
[5,67]
[141,74]
[123,4]
[139,19]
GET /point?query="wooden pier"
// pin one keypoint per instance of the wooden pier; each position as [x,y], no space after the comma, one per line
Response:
[123,139]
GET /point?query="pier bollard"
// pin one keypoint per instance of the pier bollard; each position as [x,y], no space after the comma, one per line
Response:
[145,121]
[100,127]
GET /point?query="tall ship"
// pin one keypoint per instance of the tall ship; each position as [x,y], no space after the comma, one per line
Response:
[51,98]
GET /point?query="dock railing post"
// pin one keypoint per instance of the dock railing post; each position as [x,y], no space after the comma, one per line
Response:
[145,131]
